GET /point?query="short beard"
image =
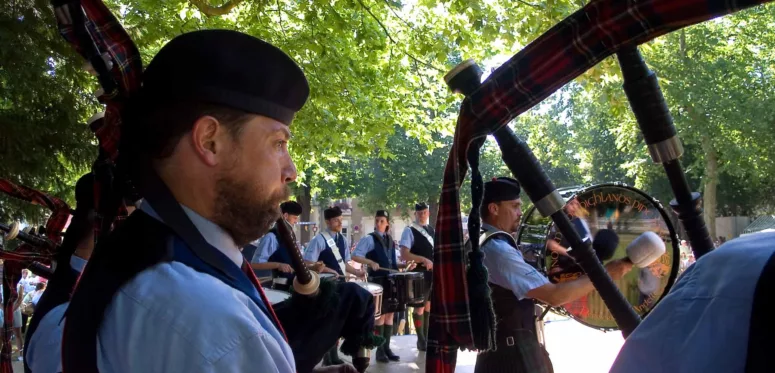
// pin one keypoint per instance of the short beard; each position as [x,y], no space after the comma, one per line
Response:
[244,210]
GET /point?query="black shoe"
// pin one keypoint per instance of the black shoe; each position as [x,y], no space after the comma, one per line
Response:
[390,355]
[381,356]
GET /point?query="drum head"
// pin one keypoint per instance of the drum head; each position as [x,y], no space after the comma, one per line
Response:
[371,287]
[629,213]
[276,296]
[327,275]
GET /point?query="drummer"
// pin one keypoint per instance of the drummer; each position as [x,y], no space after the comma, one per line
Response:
[377,251]
[331,247]
[417,245]
[516,285]
[272,255]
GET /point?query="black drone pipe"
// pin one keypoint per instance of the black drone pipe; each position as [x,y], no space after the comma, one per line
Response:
[525,167]
[13,231]
[654,119]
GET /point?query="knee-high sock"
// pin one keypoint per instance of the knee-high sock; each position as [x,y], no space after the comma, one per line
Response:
[379,330]
[418,325]
[387,332]
[425,318]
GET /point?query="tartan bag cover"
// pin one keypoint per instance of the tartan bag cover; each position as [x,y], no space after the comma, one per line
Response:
[568,49]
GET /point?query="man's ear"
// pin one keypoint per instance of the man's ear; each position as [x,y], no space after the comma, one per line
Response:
[492,208]
[205,139]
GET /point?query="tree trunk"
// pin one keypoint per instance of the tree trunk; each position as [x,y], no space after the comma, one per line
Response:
[711,183]
[433,207]
[305,199]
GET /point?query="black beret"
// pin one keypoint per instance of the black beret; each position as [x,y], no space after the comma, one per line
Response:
[291,208]
[84,193]
[228,68]
[419,206]
[332,212]
[500,189]
[382,213]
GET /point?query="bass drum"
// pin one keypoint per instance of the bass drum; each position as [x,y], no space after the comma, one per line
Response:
[627,211]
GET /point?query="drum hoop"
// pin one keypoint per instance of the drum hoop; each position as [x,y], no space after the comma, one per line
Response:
[576,191]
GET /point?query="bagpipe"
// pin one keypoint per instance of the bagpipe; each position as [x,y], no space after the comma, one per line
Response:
[463,315]
[36,252]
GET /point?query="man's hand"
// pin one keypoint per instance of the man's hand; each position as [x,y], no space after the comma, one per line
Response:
[428,264]
[553,246]
[411,265]
[282,267]
[618,268]
[374,266]
[318,267]
[342,368]
[361,272]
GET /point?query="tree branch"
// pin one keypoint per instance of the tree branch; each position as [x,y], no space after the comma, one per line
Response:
[528,4]
[387,33]
[212,11]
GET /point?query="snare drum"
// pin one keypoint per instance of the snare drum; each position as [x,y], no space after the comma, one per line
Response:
[276,296]
[409,287]
[327,276]
[627,211]
[376,292]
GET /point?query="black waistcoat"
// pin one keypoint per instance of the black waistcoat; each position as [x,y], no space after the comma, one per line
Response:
[510,312]
[384,254]
[421,246]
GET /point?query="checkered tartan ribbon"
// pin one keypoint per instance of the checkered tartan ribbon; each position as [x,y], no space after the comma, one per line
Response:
[568,49]
[96,34]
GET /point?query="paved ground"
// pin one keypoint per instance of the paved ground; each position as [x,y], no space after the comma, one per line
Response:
[573,347]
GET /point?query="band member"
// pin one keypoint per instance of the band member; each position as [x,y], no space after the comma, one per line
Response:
[331,247]
[417,245]
[271,255]
[43,340]
[205,142]
[377,251]
[515,285]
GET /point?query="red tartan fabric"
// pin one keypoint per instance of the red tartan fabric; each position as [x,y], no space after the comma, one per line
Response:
[60,211]
[109,37]
[12,272]
[564,52]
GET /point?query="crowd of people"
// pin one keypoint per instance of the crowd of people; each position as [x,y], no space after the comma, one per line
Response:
[29,289]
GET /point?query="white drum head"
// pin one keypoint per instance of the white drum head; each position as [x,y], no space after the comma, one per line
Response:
[276,296]
[327,275]
[371,287]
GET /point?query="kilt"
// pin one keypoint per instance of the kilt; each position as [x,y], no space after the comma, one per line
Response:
[518,351]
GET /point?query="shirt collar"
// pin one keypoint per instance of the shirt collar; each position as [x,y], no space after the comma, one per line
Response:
[212,233]
[489,227]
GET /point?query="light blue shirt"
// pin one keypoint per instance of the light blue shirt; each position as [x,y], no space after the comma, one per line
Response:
[171,318]
[702,324]
[44,351]
[266,247]
[407,238]
[318,244]
[365,245]
[507,267]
